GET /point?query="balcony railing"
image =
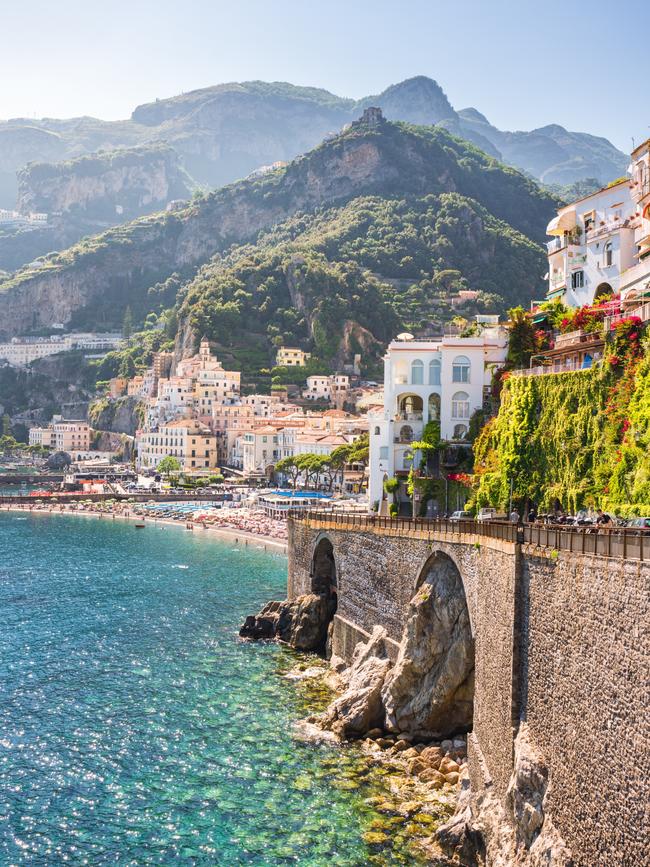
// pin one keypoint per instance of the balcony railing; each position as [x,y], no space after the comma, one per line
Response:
[408,416]
[575,338]
[609,227]
[570,367]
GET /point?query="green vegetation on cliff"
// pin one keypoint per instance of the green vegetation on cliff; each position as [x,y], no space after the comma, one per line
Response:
[349,278]
[429,203]
[580,438]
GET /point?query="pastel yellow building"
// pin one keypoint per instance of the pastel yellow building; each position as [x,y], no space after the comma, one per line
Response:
[288,356]
[187,440]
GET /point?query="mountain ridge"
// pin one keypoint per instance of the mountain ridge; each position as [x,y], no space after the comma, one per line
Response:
[223,132]
[495,219]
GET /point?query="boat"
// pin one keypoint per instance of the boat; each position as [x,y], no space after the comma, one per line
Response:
[139,526]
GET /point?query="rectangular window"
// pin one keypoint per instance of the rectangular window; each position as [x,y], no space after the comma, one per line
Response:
[383,453]
[577,279]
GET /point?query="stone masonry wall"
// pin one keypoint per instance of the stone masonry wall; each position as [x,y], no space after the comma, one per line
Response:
[585,697]
[377,575]
[561,643]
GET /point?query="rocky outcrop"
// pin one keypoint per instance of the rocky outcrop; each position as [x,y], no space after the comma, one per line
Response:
[518,833]
[122,416]
[360,709]
[302,623]
[104,188]
[430,691]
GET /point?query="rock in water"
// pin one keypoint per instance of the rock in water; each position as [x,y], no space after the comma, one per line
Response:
[302,622]
[360,708]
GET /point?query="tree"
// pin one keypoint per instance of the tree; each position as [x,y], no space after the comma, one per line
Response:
[289,467]
[127,324]
[171,324]
[5,428]
[524,341]
[127,367]
[168,465]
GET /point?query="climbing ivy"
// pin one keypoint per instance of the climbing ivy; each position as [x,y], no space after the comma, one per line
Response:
[582,437]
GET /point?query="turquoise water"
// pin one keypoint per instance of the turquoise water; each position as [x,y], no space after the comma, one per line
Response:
[135,727]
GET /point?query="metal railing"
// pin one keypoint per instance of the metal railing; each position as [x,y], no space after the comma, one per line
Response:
[418,527]
[628,543]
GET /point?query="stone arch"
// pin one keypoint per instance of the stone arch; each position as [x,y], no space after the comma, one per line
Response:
[430,691]
[602,290]
[323,566]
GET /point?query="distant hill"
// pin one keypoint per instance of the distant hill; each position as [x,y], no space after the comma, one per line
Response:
[375,228]
[89,194]
[224,132]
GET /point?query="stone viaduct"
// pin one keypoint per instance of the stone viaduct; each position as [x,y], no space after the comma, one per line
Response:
[559,633]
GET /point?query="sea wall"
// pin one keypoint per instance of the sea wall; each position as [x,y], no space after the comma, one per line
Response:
[558,752]
[585,698]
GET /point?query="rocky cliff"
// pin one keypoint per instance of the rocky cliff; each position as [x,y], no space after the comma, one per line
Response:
[104,188]
[101,275]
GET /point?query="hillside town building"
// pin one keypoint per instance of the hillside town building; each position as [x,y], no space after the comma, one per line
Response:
[187,440]
[21,351]
[444,381]
[287,356]
[601,243]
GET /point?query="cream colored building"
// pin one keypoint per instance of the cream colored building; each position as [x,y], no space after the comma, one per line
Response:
[187,440]
[288,356]
[41,436]
[71,436]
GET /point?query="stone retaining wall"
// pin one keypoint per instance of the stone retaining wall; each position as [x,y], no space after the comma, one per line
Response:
[561,643]
[585,695]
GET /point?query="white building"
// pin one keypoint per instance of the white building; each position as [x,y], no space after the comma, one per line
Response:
[21,351]
[602,241]
[326,387]
[636,280]
[443,381]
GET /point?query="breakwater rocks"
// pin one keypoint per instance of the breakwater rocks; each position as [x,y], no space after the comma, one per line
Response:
[302,623]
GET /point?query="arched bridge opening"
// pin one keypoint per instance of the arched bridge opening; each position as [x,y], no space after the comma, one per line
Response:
[324,580]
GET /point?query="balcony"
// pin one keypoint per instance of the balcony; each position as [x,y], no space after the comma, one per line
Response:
[408,416]
[607,228]
[576,338]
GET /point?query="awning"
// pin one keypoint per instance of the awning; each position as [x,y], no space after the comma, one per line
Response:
[555,293]
[564,222]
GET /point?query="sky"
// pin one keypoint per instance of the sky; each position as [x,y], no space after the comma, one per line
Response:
[523,64]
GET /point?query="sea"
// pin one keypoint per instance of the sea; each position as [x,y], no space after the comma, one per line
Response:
[137,728]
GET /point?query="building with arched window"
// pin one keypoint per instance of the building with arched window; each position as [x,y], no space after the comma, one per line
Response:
[601,242]
[443,381]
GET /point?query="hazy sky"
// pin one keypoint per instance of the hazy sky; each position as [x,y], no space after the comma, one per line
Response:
[522,63]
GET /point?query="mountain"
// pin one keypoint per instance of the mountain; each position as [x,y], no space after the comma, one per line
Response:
[388,219]
[224,132]
[89,194]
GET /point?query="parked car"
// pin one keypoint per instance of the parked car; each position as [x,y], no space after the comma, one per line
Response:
[487,513]
[461,516]
[639,523]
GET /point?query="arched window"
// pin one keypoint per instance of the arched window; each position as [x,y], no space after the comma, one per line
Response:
[434,371]
[406,434]
[377,431]
[460,369]
[417,372]
[434,407]
[609,254]
[460,431]
[460,405]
